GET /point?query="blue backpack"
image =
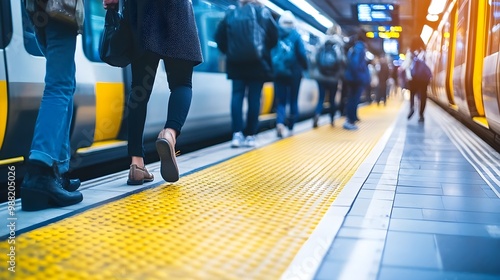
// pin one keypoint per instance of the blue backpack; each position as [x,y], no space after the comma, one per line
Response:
[357,67]
[328,59]
[247,43]
[420,71]
[283,57]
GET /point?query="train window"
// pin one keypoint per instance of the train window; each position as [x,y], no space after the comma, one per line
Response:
[29,38]
[5,24]
[462,27]
[208,14]
[494,27]
[94,25]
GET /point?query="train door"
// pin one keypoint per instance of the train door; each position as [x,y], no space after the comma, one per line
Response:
[5,36]
[491,68]
[469,54]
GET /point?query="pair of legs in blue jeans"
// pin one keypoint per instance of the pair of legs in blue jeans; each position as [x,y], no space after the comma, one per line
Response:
[353,98]
[253,90]
[287,91]
[44,184]
[323,87]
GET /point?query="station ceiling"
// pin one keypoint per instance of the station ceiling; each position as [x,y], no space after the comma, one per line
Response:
[412,15]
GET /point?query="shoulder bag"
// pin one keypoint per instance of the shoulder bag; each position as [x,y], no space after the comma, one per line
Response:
[116,42]
[71,11]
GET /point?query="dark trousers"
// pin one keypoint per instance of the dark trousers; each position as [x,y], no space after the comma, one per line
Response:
[287,91]
[418,87]
[331,88]
[238,95]
[355,91]
[179,76]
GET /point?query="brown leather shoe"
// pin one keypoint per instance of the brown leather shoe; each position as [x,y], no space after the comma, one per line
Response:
[138,175]
[165,146]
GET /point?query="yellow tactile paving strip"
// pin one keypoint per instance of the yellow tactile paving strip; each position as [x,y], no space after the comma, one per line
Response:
[245,218]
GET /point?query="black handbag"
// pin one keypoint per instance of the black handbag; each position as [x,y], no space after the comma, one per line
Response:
[116,41]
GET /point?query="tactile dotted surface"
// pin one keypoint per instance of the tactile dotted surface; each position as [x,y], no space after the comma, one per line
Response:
[245,218]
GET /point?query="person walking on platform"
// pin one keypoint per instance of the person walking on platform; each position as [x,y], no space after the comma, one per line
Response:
[289,60]
[161,31]
[357,76]
[383,76]
[247,45]
[45,183]
[330,60]
[418,77]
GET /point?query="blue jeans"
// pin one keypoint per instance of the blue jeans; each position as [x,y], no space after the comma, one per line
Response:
[287,91]
[331,87]
[179,77]
[51,143]
[238,94]
[355,91]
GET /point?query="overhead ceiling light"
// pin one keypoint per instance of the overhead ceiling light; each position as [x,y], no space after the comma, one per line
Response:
[426,33]
[436,7]
[307,8]
[432,18]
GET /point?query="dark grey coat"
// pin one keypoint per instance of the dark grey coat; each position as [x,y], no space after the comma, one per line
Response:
[165,27]
[255,70]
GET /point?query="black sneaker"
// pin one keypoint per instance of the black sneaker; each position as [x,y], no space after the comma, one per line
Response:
[411,113]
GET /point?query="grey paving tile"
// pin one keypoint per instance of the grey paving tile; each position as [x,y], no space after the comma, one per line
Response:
[328,270]
[469,254]
[438,227]
[471,204]
[409,249]
[376,194]
[368,223]
[461,180]
[359,233]
[341,249]
[419,190]
[375,186]
[407,213]
[463,189]
[399,273]
[412,183]
[439,215]
[418,201]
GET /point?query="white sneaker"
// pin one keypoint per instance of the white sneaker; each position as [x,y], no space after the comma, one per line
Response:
[350,126]
[250,141]
[238,139]
[280,129]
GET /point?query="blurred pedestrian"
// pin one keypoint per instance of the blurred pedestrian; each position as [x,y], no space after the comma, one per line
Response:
[247,45]
[357,76]
[328,81]
[289,55]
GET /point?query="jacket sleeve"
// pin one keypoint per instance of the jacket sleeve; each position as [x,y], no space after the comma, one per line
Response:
[301,53]
[271,29]
[221,36]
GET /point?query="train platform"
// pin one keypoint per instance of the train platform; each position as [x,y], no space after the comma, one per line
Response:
[396,199]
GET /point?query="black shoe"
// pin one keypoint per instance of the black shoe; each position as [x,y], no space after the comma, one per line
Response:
[421,120]
[42,189]
[68,184]
[411,113]
[315,121]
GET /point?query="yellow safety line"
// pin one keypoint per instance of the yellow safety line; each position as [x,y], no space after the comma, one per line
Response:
[4,110]
[244,218]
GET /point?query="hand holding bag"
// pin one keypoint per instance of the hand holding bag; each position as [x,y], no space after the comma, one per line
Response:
[116,41]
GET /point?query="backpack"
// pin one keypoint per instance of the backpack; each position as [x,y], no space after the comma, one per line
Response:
[357,67]
[328,58]
[246,43]
[283,57]
[420,71]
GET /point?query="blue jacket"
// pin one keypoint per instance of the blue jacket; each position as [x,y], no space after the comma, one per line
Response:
[357,67]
